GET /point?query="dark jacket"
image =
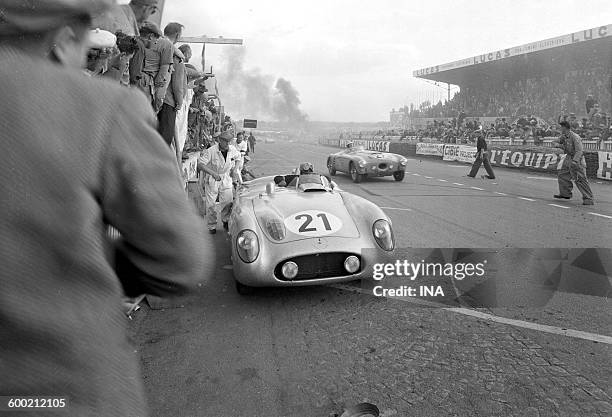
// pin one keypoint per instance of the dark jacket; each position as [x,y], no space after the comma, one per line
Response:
[481,143]
[80,153]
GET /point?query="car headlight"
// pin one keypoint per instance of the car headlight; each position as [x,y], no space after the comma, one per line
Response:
[362,163]
[403,162]
[289,270]
[352,264]
[247,245]
[383,234]
[275,227]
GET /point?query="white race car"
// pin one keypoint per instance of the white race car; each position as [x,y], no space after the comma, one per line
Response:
[300,229]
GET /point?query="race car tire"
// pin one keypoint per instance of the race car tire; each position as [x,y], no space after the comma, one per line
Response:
[330,167]
[356,176]
[244,289]
[398,175]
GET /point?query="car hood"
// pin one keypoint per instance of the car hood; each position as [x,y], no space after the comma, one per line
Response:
[373,156]
[306,215]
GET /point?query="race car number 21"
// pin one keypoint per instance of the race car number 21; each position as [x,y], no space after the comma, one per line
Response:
[313,223]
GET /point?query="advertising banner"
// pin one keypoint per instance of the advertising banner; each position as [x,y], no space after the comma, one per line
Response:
[451,152]
[604,171]
[587,35]
[466,154]
[541,161]
[461,153]
[434,149]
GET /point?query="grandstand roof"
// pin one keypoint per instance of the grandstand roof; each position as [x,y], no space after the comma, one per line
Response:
[512,61]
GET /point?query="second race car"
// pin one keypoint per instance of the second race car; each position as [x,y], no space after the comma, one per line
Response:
[361,163]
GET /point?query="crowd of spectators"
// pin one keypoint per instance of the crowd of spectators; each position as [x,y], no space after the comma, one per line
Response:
[522,129]
[132,50]
[581,93]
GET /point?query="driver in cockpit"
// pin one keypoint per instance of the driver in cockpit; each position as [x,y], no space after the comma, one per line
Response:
[291,180]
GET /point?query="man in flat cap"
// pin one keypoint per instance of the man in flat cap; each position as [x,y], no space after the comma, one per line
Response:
[574,166]
[90,158]
[219,164]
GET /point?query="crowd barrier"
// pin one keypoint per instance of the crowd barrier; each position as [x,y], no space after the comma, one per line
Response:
[528,157]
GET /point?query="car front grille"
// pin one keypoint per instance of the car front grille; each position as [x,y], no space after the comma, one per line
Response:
[382,166]
[317,265]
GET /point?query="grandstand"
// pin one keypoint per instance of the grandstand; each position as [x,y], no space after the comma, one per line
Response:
[544,79]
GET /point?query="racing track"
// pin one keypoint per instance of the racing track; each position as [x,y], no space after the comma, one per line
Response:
[438,206]
[310,351]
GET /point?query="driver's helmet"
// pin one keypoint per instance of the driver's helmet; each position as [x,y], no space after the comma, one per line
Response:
[306,168]
[349,145]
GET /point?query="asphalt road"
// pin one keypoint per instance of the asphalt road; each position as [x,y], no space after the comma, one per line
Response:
[313,351]
[436,205]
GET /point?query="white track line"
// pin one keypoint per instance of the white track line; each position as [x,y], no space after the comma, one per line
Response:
[476,188]
[442,180]
[594,337]
[416,175]
[457,183]
[542,178]
[600,215]
[557,205]
[457,166]
[497,192]
[396,208]
[525,198]
[428,177]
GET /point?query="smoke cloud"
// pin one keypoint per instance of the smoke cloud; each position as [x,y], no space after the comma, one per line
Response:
[249,93]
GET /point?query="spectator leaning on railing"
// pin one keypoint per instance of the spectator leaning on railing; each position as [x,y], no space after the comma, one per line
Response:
[119,64]
[146,69]
[174,92]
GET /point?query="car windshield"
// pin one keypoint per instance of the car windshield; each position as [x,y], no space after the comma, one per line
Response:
[314,179]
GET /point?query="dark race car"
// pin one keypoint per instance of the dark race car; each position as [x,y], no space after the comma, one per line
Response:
[360,163]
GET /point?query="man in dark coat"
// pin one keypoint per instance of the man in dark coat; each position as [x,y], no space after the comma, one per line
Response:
[482,157]
[80,154]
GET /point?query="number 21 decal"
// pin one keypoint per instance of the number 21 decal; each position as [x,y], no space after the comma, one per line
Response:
[313,223]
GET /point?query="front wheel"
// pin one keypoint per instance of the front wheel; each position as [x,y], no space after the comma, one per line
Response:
[356,176]
[330,167]
[398,175]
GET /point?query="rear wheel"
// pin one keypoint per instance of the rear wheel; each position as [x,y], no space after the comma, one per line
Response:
[244,289]
[398,175]
[356,176]
[330,167]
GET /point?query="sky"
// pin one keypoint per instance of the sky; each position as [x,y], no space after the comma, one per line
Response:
[353,61]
